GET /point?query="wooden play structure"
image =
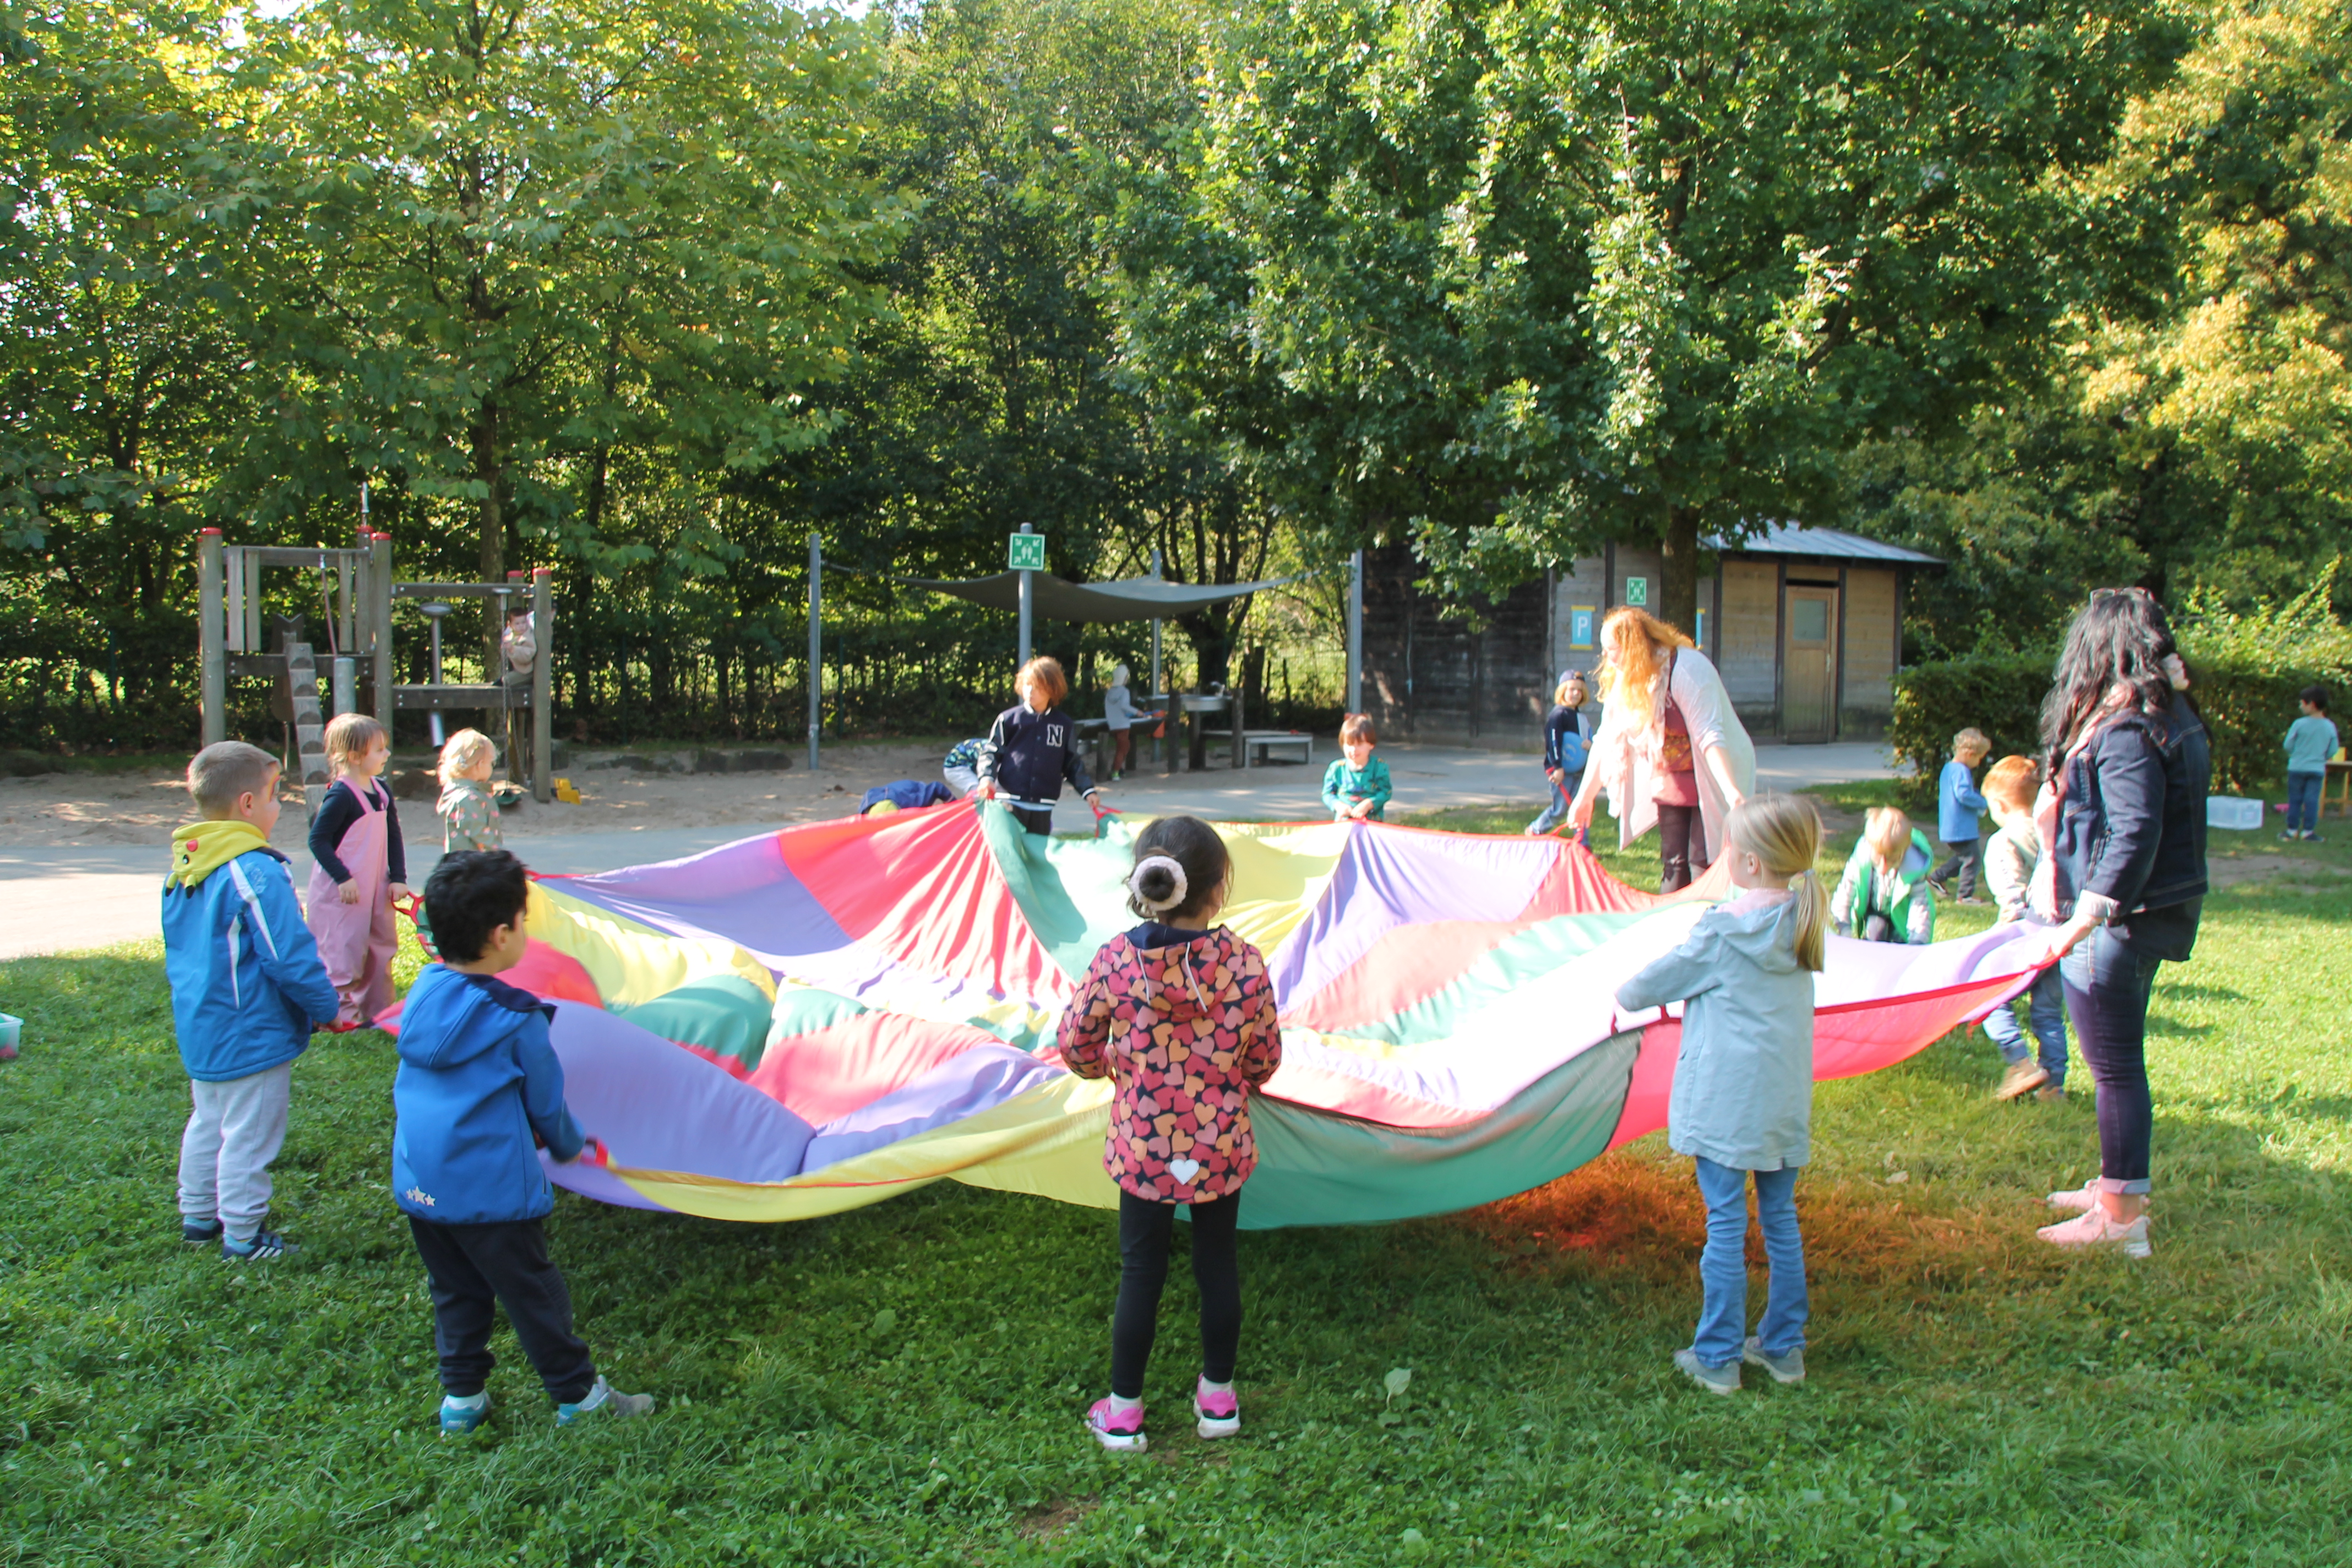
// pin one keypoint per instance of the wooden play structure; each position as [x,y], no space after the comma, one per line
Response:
[356,589]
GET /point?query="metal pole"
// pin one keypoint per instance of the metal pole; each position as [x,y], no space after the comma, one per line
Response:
[211,631]
[434,612]
[1027,590]
[816,642]
[1156,688]
[542,685]
[1356,632]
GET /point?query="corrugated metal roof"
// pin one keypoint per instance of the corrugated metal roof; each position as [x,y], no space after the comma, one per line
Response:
[1824,544]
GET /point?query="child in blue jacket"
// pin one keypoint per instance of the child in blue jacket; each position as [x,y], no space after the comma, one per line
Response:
[247,987]
[478,1086]
[1959,818]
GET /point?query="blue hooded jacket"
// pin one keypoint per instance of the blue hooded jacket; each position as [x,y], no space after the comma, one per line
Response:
[478,1079]
[246,976]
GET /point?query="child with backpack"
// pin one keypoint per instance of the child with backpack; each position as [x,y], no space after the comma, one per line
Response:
[1179,1013]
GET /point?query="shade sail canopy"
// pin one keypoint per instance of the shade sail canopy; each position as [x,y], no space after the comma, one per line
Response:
[1129,599]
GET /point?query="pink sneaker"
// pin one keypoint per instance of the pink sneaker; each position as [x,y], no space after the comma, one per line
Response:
[2093,1227]
[1120,1434]
[2077,1200]
[1220,1410]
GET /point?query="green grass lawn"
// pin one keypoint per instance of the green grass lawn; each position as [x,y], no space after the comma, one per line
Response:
[903,1384]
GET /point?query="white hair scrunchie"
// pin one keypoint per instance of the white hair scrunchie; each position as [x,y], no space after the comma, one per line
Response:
[1175,871]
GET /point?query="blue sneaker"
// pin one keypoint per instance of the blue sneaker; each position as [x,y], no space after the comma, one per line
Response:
[264,1245]
[460,1417]
[605,1400]
[200,1233]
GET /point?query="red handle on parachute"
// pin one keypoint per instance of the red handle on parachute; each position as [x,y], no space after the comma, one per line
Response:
[593,1153]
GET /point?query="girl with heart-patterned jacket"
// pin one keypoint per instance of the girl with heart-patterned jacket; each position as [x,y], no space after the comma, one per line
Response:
[1179,1017]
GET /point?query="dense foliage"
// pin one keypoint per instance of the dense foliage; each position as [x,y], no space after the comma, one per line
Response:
[652,293]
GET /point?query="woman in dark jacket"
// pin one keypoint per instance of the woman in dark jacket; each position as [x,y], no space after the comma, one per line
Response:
[2125,873]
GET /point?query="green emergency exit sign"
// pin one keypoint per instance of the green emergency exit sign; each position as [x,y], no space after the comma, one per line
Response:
[1025,552]
[1637,591]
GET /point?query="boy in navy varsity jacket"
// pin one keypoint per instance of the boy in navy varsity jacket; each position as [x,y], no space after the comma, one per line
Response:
[1033,748]
[478,1087]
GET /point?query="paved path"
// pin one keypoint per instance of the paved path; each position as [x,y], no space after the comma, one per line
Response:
[71,898]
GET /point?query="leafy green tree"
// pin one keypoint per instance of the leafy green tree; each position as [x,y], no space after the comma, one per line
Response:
[2242,384]
[1532,276]
[551,229]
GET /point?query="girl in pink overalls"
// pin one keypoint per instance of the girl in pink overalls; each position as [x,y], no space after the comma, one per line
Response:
[359,868]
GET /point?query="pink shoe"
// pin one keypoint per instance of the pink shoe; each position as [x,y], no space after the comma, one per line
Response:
[1120,1434]
[2094,1227]
[1219,1409]
[2077,1200]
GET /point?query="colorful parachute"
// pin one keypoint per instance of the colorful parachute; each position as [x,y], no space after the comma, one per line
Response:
[827,1016]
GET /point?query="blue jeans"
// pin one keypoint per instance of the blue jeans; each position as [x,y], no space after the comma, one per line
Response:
[2047,1005]
[2303,802]
[1723,1265]
[2107,982]
[1562,792]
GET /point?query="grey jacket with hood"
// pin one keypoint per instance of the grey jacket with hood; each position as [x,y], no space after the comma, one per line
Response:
[1743,1092]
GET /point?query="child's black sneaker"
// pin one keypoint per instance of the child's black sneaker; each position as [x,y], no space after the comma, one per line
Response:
[264,1245]
[200,1233]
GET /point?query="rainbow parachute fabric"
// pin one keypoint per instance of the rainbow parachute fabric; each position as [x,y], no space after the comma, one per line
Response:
[824,1016]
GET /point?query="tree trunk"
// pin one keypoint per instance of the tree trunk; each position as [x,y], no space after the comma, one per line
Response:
[494,532]
[1678,570]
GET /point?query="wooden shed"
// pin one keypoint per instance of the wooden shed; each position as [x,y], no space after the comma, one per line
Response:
[1806,625]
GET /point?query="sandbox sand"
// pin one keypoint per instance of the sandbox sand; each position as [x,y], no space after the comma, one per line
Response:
[142,806]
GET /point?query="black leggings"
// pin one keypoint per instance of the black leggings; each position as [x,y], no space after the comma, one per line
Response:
[1143,1232]
[1682,846]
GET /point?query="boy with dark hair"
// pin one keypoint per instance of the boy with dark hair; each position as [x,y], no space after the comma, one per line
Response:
[247,987]
[2311,740]
[479,1084]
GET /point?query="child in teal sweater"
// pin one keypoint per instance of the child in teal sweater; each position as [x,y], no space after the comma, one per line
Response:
[1356,788]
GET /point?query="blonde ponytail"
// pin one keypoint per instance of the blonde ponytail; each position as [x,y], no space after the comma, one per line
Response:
[1784,832]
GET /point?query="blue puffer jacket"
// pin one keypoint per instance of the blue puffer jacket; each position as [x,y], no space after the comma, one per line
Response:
[478,1079]
[246,979]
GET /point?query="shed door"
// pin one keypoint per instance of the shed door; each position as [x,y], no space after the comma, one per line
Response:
[1808,666]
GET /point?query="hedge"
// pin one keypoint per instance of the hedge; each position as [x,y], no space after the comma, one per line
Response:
[2249,669]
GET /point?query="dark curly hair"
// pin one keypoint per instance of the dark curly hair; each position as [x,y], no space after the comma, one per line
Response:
[469,895]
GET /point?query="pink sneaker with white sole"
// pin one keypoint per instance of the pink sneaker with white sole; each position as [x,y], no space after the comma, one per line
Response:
[2094,1227]
[1120,1434]
[1219,1409]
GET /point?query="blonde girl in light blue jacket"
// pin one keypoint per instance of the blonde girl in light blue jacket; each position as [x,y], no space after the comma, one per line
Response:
[1743,1095]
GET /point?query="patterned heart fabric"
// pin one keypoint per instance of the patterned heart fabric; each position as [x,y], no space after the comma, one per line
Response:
[1184,1032]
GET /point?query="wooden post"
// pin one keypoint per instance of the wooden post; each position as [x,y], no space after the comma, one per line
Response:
[380,617]
[542,687]
[1238,719]
[211,628]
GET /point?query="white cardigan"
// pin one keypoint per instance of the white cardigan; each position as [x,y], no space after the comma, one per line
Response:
[1627,758]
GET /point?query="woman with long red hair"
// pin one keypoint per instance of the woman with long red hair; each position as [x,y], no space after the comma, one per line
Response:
[1671,752]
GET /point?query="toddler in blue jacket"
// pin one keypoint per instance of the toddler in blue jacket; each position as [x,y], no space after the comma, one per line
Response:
[247,987]
[1959,818]
[478,1086]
